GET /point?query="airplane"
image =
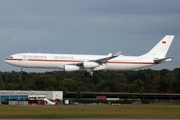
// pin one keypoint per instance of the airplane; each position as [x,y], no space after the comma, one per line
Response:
[90,63]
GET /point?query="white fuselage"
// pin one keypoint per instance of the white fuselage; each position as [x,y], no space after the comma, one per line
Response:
[90,63]
[58,61]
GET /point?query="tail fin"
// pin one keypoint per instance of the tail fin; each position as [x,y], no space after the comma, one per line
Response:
[161,48]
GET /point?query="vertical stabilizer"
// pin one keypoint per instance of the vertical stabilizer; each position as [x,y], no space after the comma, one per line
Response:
[160,50]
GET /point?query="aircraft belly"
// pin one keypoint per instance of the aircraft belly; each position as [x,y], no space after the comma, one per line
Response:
[48,64]
[120,67]
[126,66]
[27,64]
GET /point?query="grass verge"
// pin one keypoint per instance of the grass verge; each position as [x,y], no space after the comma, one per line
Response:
[91,111]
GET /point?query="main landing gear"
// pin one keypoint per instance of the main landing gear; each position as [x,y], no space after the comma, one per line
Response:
[21,70]
[89,74]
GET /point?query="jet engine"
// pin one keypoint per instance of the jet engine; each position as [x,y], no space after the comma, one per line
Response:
[90,64]
[71,68]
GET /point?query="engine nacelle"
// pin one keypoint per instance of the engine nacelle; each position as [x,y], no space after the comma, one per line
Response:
[90,64]
[71,68]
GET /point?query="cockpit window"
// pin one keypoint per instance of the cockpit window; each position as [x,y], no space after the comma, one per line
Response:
[11,56]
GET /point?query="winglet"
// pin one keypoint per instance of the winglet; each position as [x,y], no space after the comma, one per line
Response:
[110,54]
[117,54]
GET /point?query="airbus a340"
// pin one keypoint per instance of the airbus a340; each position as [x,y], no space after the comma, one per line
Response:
[90,63]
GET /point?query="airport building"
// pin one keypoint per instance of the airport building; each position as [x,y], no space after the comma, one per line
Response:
[31,95]
[123,96]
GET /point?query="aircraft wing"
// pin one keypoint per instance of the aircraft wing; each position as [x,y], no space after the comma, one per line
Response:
[93,63]
[101,60]
[109,56]
[163,59]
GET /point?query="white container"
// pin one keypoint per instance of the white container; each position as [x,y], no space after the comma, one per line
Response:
[23,102]
[13,102]
[66,102]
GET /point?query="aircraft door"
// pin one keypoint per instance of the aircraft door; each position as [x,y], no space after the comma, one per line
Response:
[51,58]
[139,60]
[20,58]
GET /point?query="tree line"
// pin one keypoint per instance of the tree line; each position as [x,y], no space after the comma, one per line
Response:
[142,81]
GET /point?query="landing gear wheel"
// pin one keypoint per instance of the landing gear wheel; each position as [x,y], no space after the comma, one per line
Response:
[21,70]
[86,74]
[89,74]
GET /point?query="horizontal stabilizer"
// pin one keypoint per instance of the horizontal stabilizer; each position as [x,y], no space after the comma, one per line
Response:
[156,60]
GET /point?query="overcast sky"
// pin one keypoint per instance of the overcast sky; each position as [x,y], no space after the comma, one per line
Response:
[88,27]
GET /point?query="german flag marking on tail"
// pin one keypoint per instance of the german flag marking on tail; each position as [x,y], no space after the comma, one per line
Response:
[163,42]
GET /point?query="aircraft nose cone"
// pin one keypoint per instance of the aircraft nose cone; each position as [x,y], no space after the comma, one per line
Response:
[6,60]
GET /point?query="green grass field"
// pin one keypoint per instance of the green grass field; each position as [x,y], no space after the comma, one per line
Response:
[90,111]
